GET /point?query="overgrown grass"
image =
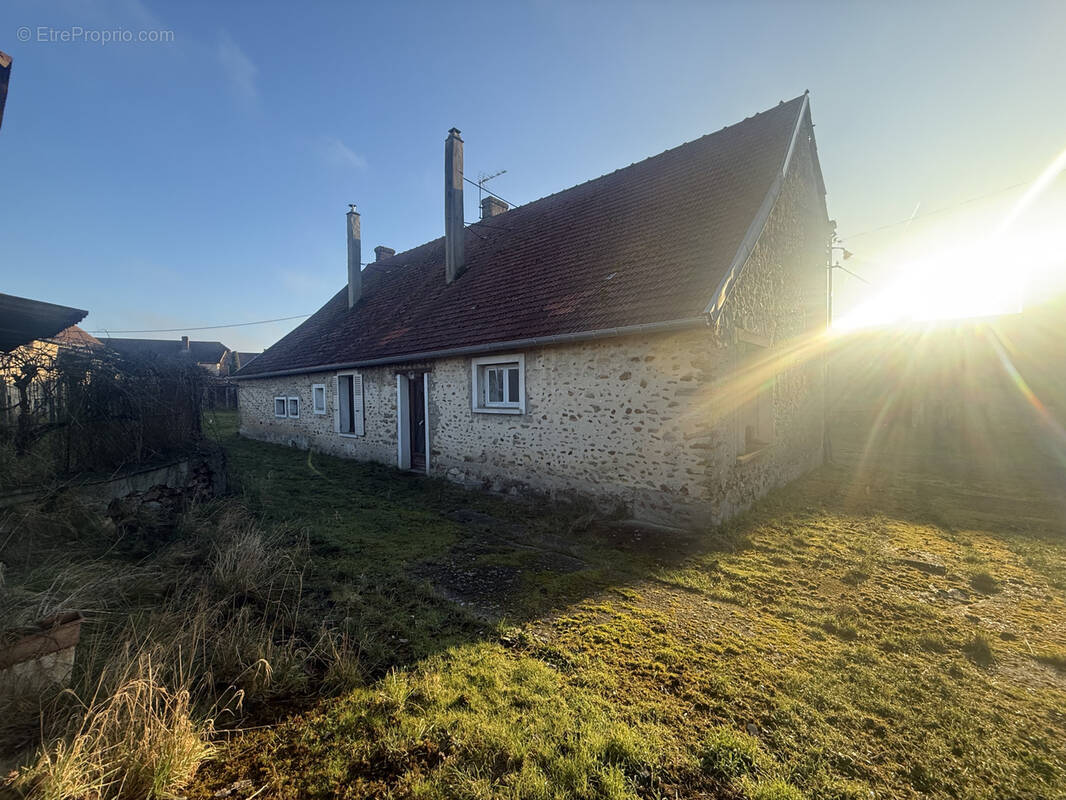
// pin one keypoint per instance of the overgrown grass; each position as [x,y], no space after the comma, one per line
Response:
[182,635]
[792,653]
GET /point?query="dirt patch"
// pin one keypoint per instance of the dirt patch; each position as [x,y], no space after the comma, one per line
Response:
[663,544]
[484,571]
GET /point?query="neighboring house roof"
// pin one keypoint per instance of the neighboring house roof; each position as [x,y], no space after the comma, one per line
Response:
[653,243]
[23,320]
[244,359]
[200,352]
[76,337]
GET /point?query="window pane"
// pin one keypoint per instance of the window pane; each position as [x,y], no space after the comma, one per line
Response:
[294,407]
[279,407]
[349,416]
[344,399]
[512,385]
[320,399]
[495,385]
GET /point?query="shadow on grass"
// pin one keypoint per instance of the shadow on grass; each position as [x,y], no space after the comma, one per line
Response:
[418,565]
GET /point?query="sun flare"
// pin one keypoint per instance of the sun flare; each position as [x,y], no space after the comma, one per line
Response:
[995,269]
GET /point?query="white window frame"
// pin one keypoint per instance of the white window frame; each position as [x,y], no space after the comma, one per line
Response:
[315,387]
[338,407]
[284,407]
[288,406]
[479,368]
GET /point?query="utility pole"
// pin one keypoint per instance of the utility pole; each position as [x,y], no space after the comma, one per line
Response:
[827,442]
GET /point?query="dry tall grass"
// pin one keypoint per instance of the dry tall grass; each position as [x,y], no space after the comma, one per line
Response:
[177,640]
[142,739]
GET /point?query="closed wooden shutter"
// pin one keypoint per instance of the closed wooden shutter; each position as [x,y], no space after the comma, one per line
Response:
[358,424]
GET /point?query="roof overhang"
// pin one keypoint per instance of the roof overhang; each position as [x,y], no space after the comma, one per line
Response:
[23,320]
[491,347]
[758,224]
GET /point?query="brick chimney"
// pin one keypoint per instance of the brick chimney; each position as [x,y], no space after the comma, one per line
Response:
[491,206]
[355,248]
[453,207]
[381,252]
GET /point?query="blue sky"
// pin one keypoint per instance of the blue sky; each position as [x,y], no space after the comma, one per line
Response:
[205,180]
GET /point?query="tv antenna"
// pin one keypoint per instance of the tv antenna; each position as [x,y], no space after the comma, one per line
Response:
[482,179]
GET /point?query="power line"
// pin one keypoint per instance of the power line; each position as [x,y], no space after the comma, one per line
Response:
[934,211]
[207,327]
[481,222]
[852,274]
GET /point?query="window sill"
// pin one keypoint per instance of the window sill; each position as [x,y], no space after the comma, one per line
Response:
[500,410]
[751,456]
[351,435]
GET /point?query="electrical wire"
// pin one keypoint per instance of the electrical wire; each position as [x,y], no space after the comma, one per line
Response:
[481,222]
[486,191]
[206,327]
[934,211]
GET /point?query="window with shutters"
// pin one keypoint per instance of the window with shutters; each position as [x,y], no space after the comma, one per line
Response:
[318,398]
[350,416]
[280,407]
[498,384]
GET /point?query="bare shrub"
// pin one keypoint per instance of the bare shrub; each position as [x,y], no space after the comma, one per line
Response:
[74,410]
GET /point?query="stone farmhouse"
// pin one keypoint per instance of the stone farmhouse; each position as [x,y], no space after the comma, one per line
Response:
[647,339]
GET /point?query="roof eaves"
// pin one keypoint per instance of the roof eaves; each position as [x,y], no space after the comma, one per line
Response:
[758,224]
[490,347]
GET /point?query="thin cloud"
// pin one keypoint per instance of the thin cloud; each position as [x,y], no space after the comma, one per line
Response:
[238,68]
[337,153]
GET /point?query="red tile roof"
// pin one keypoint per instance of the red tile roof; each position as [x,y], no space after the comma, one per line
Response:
[647,243]
[76,337]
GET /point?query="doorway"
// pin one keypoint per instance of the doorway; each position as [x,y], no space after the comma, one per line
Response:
[417,393]
[412,417]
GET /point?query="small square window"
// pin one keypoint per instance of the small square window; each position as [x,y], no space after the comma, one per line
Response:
[498,384]
[279,407]
[318,398]
[294,407]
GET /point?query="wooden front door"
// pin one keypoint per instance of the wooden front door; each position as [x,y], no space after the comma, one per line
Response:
[417,409]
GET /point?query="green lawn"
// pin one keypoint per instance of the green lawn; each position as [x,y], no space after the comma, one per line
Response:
[893,626]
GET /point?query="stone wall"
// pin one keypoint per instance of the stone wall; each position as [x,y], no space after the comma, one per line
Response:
[779,297]
[318,431]
[610,419]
